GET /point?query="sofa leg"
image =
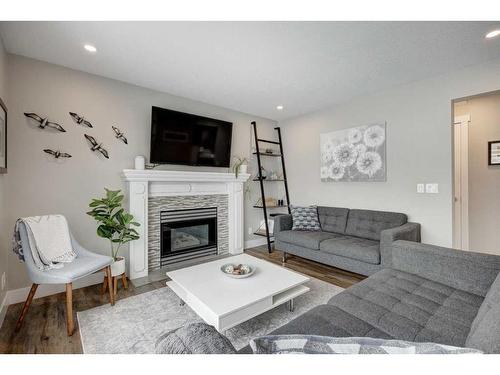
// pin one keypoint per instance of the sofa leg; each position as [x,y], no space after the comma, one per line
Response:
[284,258]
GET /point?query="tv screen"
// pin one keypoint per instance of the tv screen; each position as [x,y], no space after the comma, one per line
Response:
[184,138]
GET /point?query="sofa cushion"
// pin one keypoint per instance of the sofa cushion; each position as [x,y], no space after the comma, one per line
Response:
[309,239]
[305,218]
[485,330]
[353,247]
[408,307]
[333,219]
[369,224]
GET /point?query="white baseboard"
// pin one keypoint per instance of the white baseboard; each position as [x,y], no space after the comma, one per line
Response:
[3,309]
[254,243]
[19,295]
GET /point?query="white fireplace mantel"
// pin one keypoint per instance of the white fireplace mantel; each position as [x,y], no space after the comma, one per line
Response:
[160,183]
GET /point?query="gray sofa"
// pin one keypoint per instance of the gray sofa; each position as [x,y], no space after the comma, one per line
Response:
[355,240]
[430,294]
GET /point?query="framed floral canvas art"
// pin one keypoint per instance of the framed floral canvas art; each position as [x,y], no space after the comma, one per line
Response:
[355,154]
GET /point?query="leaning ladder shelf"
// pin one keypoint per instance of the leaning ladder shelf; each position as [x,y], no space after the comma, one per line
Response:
[262,180]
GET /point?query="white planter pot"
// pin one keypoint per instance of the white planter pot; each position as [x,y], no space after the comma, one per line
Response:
[243,168]
[118,267]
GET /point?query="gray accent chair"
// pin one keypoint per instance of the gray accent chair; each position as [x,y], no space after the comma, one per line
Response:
[355,240]
[430,294]
[83,265]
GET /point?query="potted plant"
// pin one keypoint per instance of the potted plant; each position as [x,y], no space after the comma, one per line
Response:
[115,224]
[240,165]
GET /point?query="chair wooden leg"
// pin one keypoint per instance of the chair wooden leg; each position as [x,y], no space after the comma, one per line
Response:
[110,287]
[115,285]
[26,307]
[104,283]
[70,325]
[124,281]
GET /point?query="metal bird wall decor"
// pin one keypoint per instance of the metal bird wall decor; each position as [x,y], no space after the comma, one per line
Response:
[57,154]
[119,134]
[80,120]
[95,146]
[44,122]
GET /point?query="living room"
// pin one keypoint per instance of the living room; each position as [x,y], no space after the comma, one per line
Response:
[267,186]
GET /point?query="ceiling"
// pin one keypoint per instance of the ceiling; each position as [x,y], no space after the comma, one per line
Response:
[254,66]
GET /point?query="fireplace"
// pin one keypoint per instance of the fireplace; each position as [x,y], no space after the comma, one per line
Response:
[187,234]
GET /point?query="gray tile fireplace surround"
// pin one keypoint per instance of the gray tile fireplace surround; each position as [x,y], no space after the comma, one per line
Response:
[158,204]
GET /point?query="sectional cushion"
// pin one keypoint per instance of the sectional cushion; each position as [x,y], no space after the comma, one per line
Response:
[485,330]
[309,239]
[353,247]
[305,218]
[408,307]
[368,224]
[333,219]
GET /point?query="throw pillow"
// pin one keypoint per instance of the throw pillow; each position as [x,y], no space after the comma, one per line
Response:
[310,344]
[305,218]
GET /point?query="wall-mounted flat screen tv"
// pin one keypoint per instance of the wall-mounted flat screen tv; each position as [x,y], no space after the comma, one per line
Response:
[184,138]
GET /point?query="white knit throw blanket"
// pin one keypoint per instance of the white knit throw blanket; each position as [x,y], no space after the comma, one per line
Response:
[49,241]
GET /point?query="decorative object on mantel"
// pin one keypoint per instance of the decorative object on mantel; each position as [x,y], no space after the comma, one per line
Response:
[140,162]
[494,153]
[3,137]
[57,154]
[80,120]
[119,135]
[96,146]
[240,165]
[44,122]
[115,224]
[355,154]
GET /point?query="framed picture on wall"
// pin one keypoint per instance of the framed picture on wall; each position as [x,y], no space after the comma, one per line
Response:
[3,137]
[494,153]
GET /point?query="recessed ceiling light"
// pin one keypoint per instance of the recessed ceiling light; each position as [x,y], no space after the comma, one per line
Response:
[90,48]
[279,107]
[493,34]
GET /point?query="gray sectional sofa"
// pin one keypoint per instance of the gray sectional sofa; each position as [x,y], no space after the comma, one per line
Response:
[355,240]
[429,294]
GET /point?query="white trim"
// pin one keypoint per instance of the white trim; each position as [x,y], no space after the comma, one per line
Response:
[461,182]
[181,176]
[255,242]
[3,309]
[19,295]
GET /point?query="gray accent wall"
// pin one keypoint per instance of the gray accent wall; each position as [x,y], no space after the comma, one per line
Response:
[158,204]
[419,148]
[36,184]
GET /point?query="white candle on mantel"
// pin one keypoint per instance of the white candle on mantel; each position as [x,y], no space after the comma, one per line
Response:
[140,162]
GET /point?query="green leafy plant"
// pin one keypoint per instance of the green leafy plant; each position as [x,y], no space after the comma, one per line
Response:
[115,224]
[239,161]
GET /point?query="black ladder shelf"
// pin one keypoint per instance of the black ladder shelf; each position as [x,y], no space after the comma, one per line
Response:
[261,181]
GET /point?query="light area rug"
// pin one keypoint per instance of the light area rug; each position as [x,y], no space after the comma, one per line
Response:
[134,324]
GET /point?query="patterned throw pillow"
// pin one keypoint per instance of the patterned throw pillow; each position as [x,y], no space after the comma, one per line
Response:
[310,344]
[305,218]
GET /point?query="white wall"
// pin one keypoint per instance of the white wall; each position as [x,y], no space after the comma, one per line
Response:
[38,185]
[419,149]
[3,243]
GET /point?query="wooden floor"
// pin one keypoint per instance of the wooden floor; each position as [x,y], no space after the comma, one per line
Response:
[44,329]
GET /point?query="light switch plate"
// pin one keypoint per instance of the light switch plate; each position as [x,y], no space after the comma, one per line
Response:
[4,280]
[420,188]
[432,188]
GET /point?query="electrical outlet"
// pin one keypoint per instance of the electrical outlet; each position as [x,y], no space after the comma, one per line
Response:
[432,188]
[4,279]
[420,188]
[250,231]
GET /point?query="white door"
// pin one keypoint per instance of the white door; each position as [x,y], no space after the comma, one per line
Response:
[461,182]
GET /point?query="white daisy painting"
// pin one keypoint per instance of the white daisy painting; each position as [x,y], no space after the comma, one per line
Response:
[355,154]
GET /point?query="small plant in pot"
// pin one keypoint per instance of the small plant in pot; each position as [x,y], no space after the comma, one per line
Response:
[115,224]
[240,165]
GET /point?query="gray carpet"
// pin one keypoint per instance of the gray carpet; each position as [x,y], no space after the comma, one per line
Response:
[134,323]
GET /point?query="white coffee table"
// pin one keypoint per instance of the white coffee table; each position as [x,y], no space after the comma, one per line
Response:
[225,302]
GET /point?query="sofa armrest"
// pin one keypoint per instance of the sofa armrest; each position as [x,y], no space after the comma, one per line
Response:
[408,232]
[464,270]
[194,338]
[282,222]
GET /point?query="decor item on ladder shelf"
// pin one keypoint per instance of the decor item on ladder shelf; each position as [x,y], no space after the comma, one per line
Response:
[268,203]
[115,224]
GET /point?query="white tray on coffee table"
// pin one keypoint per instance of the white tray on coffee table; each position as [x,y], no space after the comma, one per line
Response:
[225,302]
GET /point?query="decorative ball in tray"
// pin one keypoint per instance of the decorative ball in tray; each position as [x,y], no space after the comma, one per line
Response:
[237,271]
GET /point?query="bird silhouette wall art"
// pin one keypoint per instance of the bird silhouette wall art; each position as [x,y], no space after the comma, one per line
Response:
[96,146]
[80,120]
[119,135]
[43,122]
[57,154]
